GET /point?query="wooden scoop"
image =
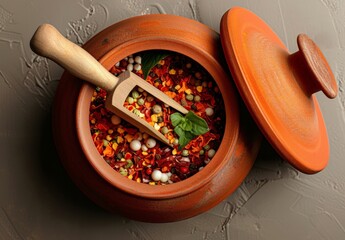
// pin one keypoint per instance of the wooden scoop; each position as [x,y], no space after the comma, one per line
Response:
[48,42]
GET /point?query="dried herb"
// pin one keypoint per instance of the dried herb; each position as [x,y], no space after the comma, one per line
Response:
[188,127]
[151,59]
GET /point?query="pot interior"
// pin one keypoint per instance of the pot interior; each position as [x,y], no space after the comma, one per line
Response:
[192,183]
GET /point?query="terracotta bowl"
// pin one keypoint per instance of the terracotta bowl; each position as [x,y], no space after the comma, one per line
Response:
[139,201]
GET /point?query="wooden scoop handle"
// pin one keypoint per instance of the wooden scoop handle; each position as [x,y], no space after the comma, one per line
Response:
[312,68]
[48,42]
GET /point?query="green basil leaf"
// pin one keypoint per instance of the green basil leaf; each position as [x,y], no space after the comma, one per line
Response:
[186,125]
[199,125]
[198,130]
[179,131]
[176,118]
[185,139]
[151,59]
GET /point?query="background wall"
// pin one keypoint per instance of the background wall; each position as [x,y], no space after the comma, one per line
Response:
[38,200]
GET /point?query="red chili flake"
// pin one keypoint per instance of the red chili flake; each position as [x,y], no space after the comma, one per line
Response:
[102,126]
[148,171]
[99,147]
[131,131]
[128,155]
[184,170]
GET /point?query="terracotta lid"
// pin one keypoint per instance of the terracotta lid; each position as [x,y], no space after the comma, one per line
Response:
[278,87]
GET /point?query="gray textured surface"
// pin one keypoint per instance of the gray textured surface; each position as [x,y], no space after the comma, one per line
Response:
[38,200]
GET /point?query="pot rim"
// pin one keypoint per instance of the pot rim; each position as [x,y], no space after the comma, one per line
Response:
[224,152]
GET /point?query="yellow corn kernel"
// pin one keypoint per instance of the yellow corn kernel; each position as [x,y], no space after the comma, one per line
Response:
[188,91]
[120,130]
[172,71]
[139,180]
[119,139]
[152,183]
[130,177]
[177,87]
[129,137]
[154,117]
[144,153]
[115,145]
[93,121]
[110,131]
[174,152]
[156,84]
[108,137]
[199,88]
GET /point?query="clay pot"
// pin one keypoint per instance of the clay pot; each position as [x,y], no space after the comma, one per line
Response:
[276,86]
[107,187]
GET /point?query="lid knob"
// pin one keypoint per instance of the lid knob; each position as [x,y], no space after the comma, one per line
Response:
[311,68]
